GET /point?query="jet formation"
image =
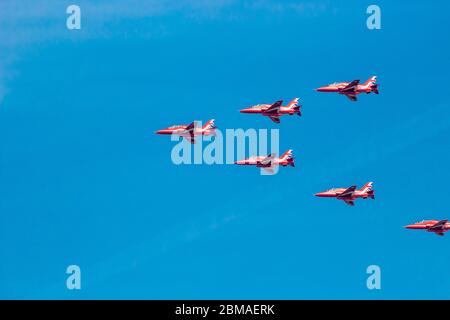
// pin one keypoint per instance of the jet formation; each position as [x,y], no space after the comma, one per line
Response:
[274,111]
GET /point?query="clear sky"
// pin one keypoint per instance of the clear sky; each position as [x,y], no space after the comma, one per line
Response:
[84,180]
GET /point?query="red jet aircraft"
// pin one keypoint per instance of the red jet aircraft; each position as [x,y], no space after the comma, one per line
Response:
[269,162]
[276,110]
[349,195]
[351,89]
[439,227]
[190,131]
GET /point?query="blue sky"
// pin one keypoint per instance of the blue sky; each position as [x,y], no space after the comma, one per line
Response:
[84,180]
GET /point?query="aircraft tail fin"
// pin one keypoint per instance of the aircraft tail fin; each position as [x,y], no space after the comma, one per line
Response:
[371,81]
[293,103]
[210,126]
[289,157]
[367,187]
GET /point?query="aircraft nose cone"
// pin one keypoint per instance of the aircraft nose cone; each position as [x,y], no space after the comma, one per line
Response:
[162,131]
[246,110]
[239,162]
[322,89]
[319,194]
[411,226]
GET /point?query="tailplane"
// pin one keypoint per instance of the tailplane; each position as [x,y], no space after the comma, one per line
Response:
[371,83]
[374,88]
[295,106]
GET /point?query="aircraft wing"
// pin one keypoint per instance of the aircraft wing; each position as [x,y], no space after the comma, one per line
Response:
[269,170]
[438,225]
[351,96]
[350,202]
[190,127]
[275,119]
[268,160]
[351,86]
[190,138]
[274,108]
[348,192]
[188,133]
